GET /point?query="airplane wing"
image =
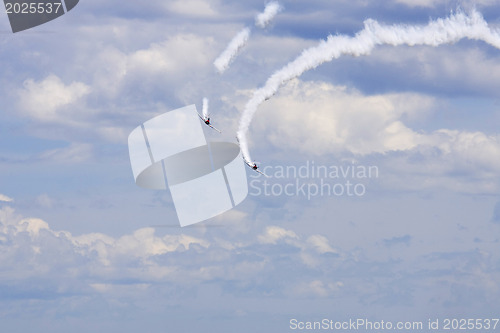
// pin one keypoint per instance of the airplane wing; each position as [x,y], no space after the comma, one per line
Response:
[257,170]
[215,129]
[203,119]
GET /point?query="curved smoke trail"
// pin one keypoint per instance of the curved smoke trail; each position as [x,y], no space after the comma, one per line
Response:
[438,32]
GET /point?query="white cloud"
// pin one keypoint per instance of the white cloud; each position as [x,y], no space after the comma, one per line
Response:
[144,255]
[465,162]
[50,100]
[179,53]
[320,118]
[5,198]
[104,254]
[273,234]
[143,243]
[320,244]
[144,266]
[470,150]
[114,77]
[33,226]
[194,8]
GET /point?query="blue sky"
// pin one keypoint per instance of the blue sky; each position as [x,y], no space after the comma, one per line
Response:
[83,248]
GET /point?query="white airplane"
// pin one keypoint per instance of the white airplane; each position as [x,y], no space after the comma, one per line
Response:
[206,120]
[254,167]
[251,165]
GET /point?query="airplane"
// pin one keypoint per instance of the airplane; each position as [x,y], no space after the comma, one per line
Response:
[254,167]
[206,120]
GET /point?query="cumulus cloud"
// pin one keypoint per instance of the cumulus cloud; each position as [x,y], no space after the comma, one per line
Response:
[320,244]
[273,234]
[470,150]
[100,251]
[5,198]
[95,260]
[195,8]
[111,71]
[50,100]
[142,265]
[319,118]
[142,255]
[109,97]
[179,53]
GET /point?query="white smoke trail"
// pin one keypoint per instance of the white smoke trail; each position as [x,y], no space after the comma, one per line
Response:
[205,108]
[228,55]
[438,32]
[264,18]
[240,40]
